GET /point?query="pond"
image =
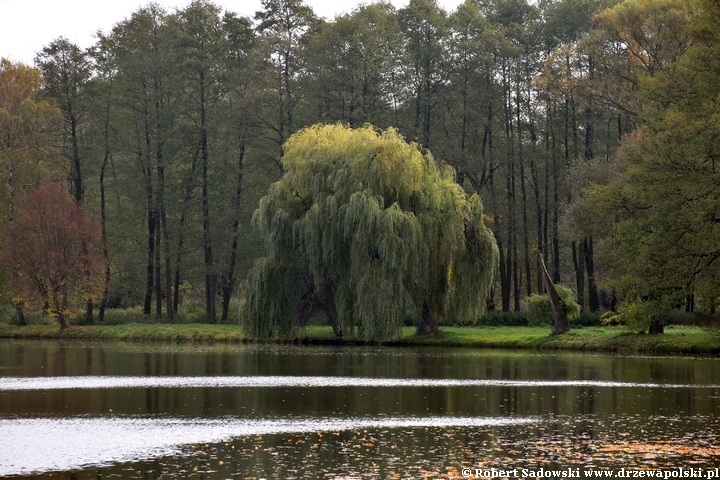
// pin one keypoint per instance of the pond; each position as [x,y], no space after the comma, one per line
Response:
[137,410]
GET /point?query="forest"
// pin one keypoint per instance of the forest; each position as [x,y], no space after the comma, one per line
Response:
[590,129]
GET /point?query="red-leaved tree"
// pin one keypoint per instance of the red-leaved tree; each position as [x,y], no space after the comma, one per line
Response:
[54,251]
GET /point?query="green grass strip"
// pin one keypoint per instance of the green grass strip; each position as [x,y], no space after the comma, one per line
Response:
[676,339]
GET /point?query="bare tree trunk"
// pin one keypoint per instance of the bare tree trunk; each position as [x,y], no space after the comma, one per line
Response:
[210,283]
[228,278]
[79,189]
[579,264]
[166,241]
[523,204]
[505,284]
[168,268]
[147,171]
[103,227]
[546,211]
[189,185]
[150,267]
[511,260]
[593,298]
[556,206]
[538,205]
[158,276]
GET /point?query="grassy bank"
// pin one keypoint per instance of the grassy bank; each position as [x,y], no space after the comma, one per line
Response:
[677,339]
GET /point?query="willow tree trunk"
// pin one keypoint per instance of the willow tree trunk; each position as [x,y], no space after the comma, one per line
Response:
[427,325]
[562,324]
[330,308]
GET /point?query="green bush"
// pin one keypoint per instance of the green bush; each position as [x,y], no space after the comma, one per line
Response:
[539,311]
[638,315]
[32,316]
[635,315]
[588,319]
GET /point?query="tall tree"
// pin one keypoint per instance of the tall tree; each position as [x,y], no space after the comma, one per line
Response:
[425,27]
[372,230]
[663,241]
[28,126]
[140,47]
[28,158]
[469,98]
[204,46]
[66,72]
[351,68]
[241,40]
[282,27]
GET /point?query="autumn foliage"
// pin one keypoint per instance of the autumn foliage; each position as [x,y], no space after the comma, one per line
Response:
[54,251]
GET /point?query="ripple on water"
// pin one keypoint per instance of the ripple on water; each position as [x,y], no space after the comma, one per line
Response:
[36,445]
[106,382]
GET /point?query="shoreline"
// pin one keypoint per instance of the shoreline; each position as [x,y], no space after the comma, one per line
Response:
[678,340]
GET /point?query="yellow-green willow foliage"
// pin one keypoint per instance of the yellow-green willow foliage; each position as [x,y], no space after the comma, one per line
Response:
[369,230]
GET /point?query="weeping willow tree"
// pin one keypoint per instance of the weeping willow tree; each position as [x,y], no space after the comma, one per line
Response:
[367,229]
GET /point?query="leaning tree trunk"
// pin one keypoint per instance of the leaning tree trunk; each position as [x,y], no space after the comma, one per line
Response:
[562,324]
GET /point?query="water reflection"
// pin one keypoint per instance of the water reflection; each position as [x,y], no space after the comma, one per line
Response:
[72,443]
[22,358]
[584,409]
[104,382]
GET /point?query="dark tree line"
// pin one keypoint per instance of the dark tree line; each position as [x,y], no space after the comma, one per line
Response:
[175,121]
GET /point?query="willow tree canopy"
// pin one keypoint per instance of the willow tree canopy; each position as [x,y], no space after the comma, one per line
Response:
[369,230]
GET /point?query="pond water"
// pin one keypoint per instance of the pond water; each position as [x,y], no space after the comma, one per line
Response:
[135,410]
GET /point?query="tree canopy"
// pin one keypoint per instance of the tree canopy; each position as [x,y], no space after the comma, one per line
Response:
[588,127]
[53,250]
[27,126]
[367,228]
[663,244]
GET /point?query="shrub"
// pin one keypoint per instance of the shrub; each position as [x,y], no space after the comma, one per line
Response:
[641,315]
[539,311]
[588,319]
